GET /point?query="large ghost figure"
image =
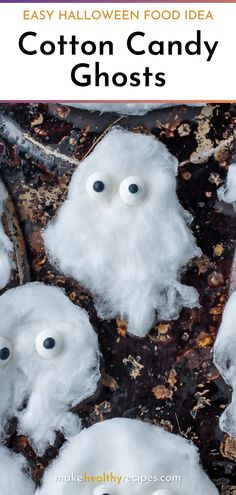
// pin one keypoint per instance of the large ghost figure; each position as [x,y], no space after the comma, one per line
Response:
[225,360]
[123,234]
[127,457]
[48,357]
[13,481]
[5,244]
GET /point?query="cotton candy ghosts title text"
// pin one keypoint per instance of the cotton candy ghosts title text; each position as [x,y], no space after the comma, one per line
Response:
[138,44]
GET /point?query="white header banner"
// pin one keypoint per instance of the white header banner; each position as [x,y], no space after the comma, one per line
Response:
[104,51]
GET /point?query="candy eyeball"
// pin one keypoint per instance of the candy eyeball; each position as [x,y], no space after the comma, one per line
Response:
[99,186]
[49,343]
[5,351]
[132,190]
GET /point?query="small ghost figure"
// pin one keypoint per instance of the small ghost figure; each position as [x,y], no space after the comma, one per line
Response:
[123,234]
[225,360]
[5,244]
[13,479]
[49,357]
[126,456]
[227,192]
[127,108]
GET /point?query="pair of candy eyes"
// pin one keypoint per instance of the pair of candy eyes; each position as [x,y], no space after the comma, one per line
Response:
[48,344]
[100,187]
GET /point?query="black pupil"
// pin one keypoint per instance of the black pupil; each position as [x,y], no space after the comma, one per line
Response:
[133,188]
[4,353]
[49,343]
[98,186]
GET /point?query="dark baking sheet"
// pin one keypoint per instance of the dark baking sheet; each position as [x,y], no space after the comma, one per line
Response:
[167,378]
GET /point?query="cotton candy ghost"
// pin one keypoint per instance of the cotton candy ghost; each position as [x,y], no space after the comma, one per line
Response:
[227,192]
[48,356]
[127,457]
[127,108]
[5,244]
[13,480]
[225,360]
[123,234]
[225,345]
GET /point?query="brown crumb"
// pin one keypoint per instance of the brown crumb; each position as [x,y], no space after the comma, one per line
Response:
[100,410]
[215,279]
[215,179]
[161,392]
[218,249]
[109,382]
[204,339]
[163,328]
[228,448]
[203,264]
[172,377]
[186,175]
[37,120]
[136,366]
[184,129]
[121,327]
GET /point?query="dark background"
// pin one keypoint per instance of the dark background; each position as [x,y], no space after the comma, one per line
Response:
[167,378]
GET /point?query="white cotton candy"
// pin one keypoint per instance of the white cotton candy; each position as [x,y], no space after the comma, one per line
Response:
[5,244]
[128,248]
[25,143]
[127,448]
[127,108]
[13,480]
[225,360]
[227,192]
[53,379]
